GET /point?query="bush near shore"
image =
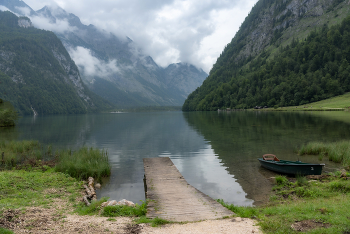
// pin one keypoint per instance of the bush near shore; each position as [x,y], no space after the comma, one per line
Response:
[8,115]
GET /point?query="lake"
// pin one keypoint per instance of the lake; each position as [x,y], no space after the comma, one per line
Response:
[215,152]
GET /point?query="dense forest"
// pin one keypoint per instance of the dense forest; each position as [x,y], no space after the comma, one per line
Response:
[304,71]
[37,73]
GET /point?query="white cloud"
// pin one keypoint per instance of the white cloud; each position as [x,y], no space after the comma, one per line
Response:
[3,8]
[171,31]
[24,10]
[90,65]
[60,26]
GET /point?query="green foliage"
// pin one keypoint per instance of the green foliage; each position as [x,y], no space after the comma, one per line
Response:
[340,186]
[5,231]
[115,211]
[158,221]
[84,163]
[93,209]
[282,180]
[241,211]
[305,71]
[301,180]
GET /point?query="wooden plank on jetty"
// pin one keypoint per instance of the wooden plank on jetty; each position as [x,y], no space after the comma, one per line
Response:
[170,197]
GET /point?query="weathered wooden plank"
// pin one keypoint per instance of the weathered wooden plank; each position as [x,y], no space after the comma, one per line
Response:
[171,197]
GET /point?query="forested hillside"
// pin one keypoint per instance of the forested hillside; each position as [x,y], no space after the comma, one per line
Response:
[37,74]
[263,67]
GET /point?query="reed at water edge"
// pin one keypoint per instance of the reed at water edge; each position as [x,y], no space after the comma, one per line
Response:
[81,164]
[336,151]
[84,163]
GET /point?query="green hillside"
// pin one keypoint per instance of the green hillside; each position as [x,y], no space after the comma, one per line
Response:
[37,73]
[265,66]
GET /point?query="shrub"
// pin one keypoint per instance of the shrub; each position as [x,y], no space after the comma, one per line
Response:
[8,117]
[282,180]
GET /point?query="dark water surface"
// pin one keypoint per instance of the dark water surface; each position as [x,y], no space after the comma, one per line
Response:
[215,152]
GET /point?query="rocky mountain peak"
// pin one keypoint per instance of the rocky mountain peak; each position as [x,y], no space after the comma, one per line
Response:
[24,22]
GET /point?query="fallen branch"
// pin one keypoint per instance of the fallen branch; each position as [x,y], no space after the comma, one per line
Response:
[85,199]
[90,191]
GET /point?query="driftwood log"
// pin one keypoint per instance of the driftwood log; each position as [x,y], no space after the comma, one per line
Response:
[90,192]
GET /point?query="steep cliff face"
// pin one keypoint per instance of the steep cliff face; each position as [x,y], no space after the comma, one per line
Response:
[36,72]
[279,21]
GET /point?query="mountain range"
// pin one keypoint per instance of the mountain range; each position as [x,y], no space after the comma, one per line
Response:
[114,67]
[286,53]
[37,75]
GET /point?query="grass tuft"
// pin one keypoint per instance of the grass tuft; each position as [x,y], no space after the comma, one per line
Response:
[84,163]
[115,211]
[93,209]
[282,181]
[5,231]
[241,211]
[158,221]
[302,181]
[340,186]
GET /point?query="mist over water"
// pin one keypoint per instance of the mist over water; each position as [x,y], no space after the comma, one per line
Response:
[215,152]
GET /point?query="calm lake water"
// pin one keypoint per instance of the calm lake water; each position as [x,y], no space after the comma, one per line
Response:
[215,152]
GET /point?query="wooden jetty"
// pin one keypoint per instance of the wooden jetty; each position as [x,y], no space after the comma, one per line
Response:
[170,197]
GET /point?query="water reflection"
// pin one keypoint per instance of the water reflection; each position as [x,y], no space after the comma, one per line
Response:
[130,137]
[239,138]
[216,152]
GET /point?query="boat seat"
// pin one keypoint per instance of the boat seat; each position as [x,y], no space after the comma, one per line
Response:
[270,157]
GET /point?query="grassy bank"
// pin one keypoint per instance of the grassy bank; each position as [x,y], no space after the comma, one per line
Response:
[313,204]
[20,188]
[338,103]
[310,206]
[34,176]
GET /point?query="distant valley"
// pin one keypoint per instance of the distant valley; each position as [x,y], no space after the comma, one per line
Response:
[115,68]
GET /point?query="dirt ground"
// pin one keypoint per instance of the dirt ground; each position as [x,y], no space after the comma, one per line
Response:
[52,220]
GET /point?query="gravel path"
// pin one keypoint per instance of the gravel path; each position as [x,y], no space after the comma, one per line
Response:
[40,221]
[224,226]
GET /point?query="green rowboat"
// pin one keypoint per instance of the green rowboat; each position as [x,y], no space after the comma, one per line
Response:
[271,162]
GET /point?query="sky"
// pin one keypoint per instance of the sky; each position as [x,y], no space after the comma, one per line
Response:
[170,31]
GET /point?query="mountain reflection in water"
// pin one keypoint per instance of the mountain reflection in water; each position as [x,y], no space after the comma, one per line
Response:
[216,152]
[239,138]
